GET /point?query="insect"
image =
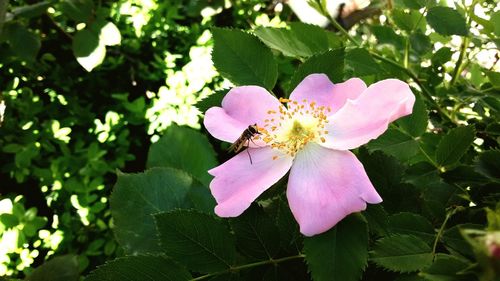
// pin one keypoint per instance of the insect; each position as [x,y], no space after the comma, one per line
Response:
[244,140]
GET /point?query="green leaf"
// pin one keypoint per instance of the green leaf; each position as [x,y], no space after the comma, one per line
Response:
[199,241]
[414,4]
[78,10]
[33,10]
[416,123]
[441,56]
[488,164]
[454,145]
[387,35]
[137,196]
[420,43]
[361,63]
[256,234]
[447,268]
[395,143]
[446,21]
[495,21]
[408,21]
[215,99]
[402,253]
[185,149]
[9,220]
[140,268]
[243,59]
[89,52]
[62,268]
[24,42]
[330,63]
[340,253]
[412,224]
[494,78]
[299,40]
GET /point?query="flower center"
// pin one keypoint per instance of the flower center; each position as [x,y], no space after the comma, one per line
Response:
[295,125]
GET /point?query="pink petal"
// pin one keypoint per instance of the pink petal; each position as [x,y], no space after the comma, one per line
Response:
[326,185]
[369,115]
[238,183]
[241,107]
[318,88]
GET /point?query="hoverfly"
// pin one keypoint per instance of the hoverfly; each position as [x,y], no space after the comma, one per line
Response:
[244,140]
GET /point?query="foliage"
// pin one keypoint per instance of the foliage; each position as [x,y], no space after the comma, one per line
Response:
[88,85]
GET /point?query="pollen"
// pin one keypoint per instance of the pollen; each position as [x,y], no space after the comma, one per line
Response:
[298,123]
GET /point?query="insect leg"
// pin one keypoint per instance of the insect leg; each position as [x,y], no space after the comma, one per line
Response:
[248,152]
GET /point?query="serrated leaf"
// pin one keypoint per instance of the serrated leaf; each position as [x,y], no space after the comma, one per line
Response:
[88,50]
[62,268]
[402,253]
[137,196]
[446,268]
[412,224]
[488,164]
[215,99]
[199,241]
[441,56]
[378,219]
[361,63]
[340,253]
[455,242]
[256,234]
[243,59]
[387,35]
[140,268]
[395,143]
[330,63]
[185,149]
[416,123]
[24,43]
[299,40]
[454,145]
[446,21]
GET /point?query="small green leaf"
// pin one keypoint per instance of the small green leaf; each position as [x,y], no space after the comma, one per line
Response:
[447,268]
[402,253]
[395,143]
[185,149]
[412,224]
[340,253]
[488,164]
[494,78]
[89,52]
[243,59]
[408,21]
[441,56]
[420,43]
[214,99]
[300,40]
[24,42]
[414,4]
[495,21]
[454,145]
[361,63]
[77,10]
[446,21]
[387,35]
[416,123]
[137,196]
[330,63]
[33,10]
[140,268]
[62,268]
[256,234]
[199,241]
[9,220]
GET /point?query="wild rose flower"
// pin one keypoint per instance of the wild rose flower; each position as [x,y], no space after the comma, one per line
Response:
[310,135]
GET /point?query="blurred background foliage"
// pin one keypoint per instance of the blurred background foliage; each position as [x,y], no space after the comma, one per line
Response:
[88,85]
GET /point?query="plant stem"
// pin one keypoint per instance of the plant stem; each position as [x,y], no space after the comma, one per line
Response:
[450,213]
[249,265]
[458,68]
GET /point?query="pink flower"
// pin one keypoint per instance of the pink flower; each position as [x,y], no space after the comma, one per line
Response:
[310,137]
